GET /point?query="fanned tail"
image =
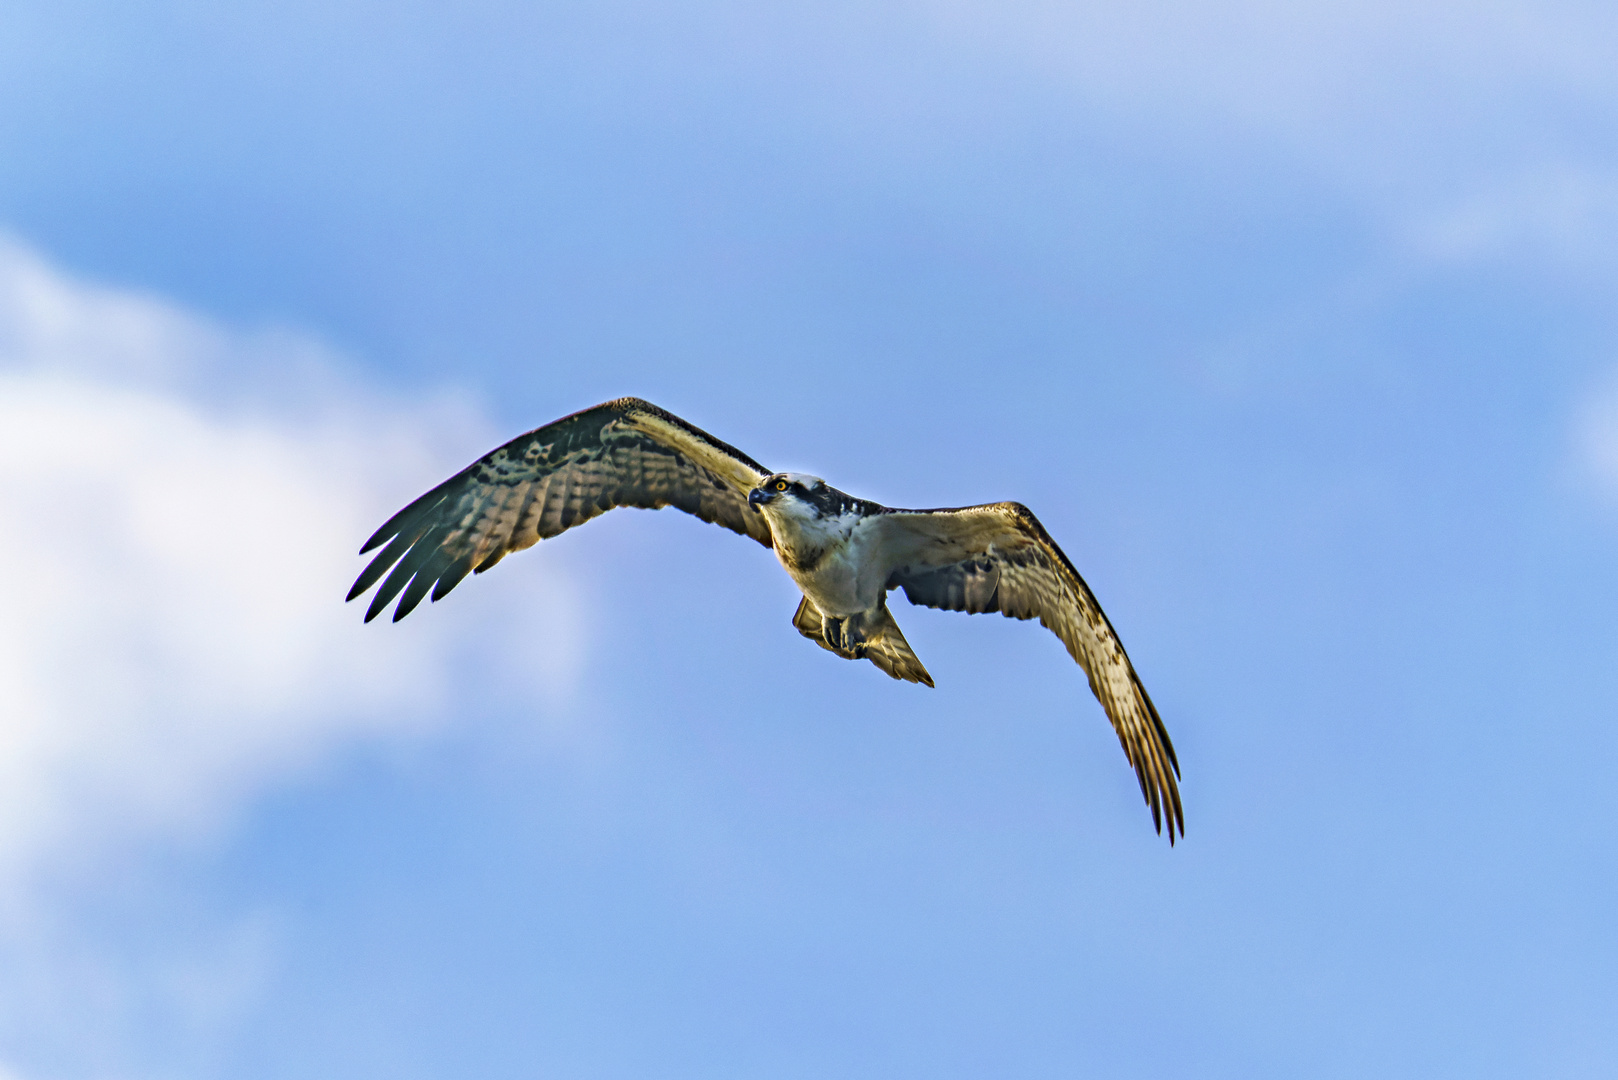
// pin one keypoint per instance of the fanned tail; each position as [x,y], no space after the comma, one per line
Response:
[871,635]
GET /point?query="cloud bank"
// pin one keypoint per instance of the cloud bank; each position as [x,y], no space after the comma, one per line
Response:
[173,637]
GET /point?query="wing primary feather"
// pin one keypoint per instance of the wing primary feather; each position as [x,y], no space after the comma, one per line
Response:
[375,607]
[416,591]
[1157,723]
[379,565]
[402,573]
[405,520]
[452,577]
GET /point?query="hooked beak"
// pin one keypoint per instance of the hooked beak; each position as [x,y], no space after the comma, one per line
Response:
[758,497]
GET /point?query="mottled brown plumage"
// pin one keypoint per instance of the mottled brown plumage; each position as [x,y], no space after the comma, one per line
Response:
[623,453]
[846,554]
[998,557]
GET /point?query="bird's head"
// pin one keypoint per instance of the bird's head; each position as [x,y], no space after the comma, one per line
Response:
[787,495]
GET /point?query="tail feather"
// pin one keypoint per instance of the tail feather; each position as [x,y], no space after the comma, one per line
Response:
[892,653]
[877,638]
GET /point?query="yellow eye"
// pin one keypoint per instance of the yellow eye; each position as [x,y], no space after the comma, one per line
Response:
[781,485]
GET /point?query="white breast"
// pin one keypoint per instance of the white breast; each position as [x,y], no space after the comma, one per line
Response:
[846,577]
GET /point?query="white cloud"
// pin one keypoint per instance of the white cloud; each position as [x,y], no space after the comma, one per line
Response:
[50,323]
[173,637]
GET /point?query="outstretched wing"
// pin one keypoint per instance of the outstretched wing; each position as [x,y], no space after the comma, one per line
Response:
[623,453]
[998,557]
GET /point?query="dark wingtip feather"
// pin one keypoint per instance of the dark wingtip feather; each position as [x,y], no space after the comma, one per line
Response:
[451,578]
[424,580]
[413,595]
[379,565]
[404,573]
[388,529]
[406,519]
[378,602]
[1173,811]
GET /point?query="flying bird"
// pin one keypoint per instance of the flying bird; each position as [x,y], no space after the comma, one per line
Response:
[845,554]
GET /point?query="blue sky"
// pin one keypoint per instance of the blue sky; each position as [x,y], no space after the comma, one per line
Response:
[1294,324]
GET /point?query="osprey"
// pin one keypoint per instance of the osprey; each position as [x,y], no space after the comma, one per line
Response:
[845,554]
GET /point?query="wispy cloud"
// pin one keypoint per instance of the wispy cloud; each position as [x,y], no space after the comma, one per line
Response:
[1596,438]
[1552,213]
